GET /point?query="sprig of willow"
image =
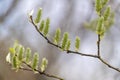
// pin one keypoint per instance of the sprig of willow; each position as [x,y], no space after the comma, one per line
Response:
[97,56]
[30,68]
[38,71]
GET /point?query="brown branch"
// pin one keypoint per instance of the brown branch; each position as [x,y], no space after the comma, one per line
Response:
[38,71]
[98,56]
[107,64]
[82,54]
[98,45]
[50,42]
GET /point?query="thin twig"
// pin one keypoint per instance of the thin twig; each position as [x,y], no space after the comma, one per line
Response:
[38,71]
[98,46]
[107,64]
[98,56]
[82,54]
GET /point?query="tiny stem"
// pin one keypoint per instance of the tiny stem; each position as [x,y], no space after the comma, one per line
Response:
[98,46]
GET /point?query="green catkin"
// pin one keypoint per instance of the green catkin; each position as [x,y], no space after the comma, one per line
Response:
[8,58]
[98,6]
[109,22]
[16,45]
[64,40]
[77,43]
[57,36]
[47,25]
[12,53]
[28,55]
[14,62]
[104,2]
[44,64]
[12,50]
[68,44]
[100,26]
[111,19]
[41,26]
[39,13]
[20,54]
[35,61]
[107,13]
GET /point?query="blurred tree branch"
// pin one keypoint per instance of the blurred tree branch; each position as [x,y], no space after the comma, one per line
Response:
[12,6]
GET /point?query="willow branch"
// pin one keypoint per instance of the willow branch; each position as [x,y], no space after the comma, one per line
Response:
[38,71]
[107,64]
[74,52]
[50,42]
[100,58]
[98,45]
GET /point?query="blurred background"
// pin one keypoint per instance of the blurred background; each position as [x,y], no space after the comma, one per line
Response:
[70,16]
